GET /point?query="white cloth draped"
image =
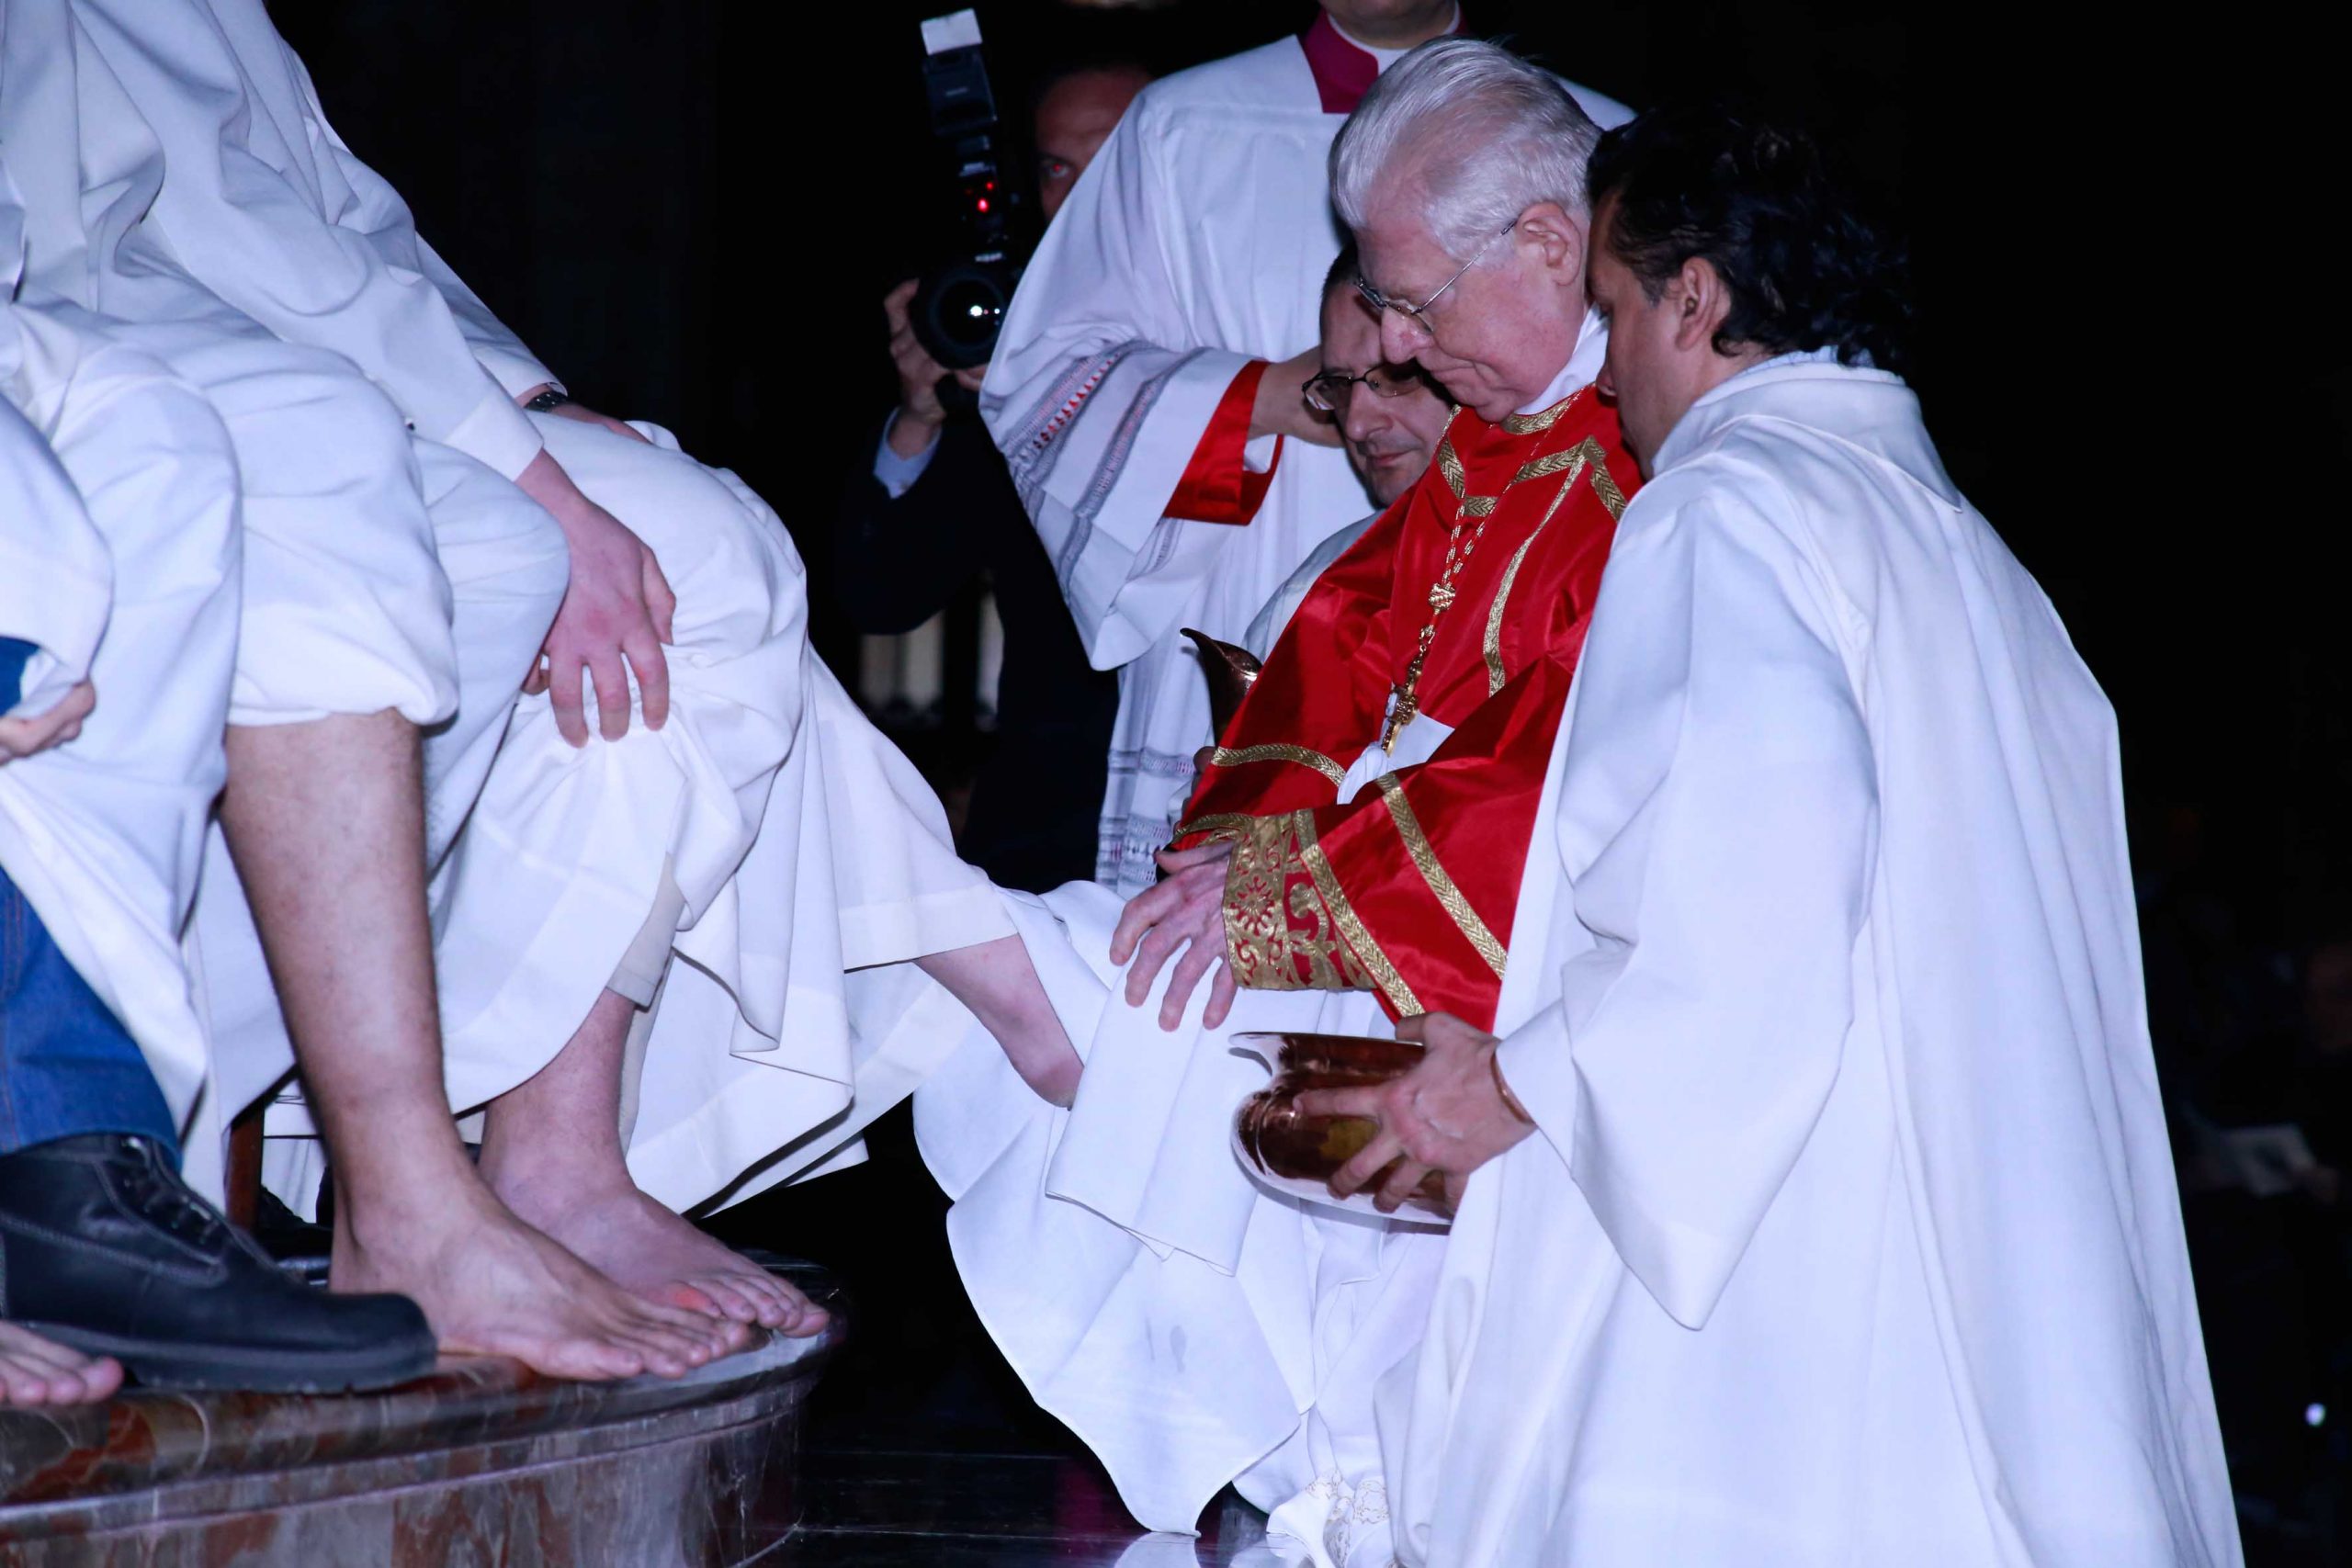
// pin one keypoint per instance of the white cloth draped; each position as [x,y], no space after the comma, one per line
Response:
[1849,1234]
[1193,1328]
[104,834]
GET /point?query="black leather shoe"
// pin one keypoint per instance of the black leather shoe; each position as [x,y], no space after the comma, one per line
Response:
[105,1249]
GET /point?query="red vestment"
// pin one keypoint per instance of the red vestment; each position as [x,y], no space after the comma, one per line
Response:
[1409,888]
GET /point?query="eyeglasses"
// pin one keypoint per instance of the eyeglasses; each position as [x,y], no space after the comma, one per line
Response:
[1327,391]
[1418,314]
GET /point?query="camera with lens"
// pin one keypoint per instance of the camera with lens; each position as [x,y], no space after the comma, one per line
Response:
[960,303]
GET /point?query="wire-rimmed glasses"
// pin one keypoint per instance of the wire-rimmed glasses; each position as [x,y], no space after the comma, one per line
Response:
[1327,390]
[1418,314]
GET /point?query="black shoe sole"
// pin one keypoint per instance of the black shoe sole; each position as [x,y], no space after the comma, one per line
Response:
[175,1364]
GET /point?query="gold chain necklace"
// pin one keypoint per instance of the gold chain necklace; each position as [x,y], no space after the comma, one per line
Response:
[1404,696]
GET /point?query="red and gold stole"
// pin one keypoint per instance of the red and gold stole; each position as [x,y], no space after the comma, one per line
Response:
[1467,602]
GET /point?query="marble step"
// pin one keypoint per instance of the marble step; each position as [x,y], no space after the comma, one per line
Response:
[481,1464]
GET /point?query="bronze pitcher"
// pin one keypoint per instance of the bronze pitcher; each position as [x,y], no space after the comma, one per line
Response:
[1230,670]
[1297,1154]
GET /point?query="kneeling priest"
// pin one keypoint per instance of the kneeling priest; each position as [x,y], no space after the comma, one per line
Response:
[1846,1230]
[1350,858]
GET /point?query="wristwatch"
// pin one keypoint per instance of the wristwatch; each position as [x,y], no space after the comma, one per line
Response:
[549,401]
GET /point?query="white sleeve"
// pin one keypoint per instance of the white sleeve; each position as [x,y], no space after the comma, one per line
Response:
[1720,773]
[384,217]
[348,280]
[1101,391]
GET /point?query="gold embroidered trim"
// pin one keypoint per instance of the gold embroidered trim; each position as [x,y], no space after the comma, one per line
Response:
[1264,950]
[1434,872]
[1318,866]
[1549,464]
[1602,485]
[1280,751]
[1541,419]
[1448,463]
[1577,458]
[1217,824]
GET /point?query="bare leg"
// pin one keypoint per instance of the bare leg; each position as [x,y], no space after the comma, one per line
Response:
[34,1371]
[325,820]
[998,983]
[552,1151]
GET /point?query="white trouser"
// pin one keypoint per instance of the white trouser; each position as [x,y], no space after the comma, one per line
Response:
[105,834]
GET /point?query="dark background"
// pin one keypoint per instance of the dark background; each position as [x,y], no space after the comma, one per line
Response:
[2130,359]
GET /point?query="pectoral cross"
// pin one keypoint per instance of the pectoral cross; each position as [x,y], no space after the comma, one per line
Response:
[1404,698]
[1403,705]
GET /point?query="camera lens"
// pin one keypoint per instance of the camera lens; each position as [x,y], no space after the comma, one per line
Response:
[958,310]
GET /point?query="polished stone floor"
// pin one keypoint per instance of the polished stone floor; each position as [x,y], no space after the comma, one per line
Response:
[920,1446]
[869,1508]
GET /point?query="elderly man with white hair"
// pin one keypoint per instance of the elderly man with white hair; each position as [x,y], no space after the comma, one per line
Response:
[1351,860]
[1147,388]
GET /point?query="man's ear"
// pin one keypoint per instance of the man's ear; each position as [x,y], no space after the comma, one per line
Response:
[1700,303]
[1559,237]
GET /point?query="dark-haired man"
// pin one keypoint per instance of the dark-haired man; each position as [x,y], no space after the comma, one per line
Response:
[1845,1229]
[1390,419]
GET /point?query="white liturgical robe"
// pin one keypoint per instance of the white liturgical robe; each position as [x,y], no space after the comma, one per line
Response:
[782,834]
[1849,1234]
[1197,241]
[105,834]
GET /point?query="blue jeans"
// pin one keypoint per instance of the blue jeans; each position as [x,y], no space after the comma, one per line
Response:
[67,1066]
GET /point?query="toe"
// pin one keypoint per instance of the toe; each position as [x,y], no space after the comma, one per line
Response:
[728,1295]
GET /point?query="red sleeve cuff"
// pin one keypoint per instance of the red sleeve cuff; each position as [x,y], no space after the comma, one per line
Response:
[1218,487]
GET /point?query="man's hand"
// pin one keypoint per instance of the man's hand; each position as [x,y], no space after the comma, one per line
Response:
[920,413]
[1187,908]
[584,414]
[618,606]
[25,737]
[1449,1114]
[1282,408]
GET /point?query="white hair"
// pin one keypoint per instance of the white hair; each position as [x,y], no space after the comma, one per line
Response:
[1480,134]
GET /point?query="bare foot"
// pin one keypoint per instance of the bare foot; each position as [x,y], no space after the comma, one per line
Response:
[490,1285]
[34,1371]
[643,1246]
[997,981]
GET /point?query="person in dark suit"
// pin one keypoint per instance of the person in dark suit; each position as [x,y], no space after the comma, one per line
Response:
[937,509]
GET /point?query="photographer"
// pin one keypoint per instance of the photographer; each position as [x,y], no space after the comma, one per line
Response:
[938,509]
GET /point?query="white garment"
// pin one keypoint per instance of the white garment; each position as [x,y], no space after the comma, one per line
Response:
[1193,1328]
[564,852]
[268,211]
[1197,241]
[1850,1234]
[104,834]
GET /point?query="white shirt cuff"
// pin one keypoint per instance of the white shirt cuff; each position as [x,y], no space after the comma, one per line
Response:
[497,433]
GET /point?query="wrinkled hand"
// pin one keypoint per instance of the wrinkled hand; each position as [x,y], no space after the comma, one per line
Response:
[1185,911]
[25,737]
[919,411]
[1282,408]
[618,607]
[1448,1114]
